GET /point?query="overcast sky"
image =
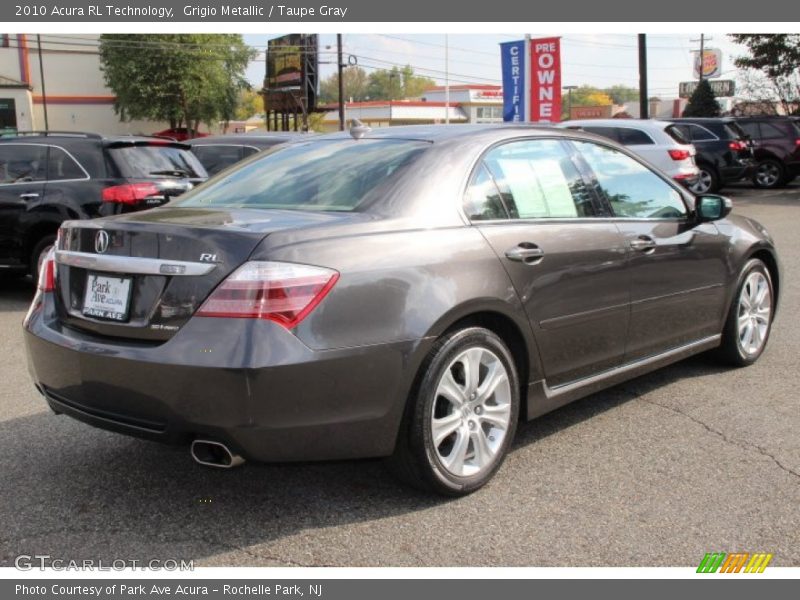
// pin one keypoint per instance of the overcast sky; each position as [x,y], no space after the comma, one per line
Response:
[598,60]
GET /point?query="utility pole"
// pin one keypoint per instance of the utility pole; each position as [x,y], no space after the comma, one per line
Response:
[340,68]
[446,80]
[569,89]
[644,107]
[526,69]
[41,75]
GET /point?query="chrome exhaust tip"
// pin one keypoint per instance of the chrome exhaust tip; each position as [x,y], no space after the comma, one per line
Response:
[214,454]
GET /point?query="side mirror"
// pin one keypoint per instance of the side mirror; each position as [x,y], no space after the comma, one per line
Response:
[710,207]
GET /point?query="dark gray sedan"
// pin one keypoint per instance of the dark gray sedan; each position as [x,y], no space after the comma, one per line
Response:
[409,293]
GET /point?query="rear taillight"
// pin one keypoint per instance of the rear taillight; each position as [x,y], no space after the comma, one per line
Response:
[679,154]
[129,193]
[47,273]
[282,292]
[737,145]
[797,142]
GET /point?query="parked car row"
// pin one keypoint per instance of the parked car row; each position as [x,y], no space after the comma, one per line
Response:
[50,177]
[765,150]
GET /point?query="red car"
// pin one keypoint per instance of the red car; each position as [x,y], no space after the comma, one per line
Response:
[179,134]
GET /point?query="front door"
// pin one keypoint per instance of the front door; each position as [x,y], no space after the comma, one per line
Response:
[677,267]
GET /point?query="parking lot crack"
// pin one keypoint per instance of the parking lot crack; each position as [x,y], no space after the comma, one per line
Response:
[740,444]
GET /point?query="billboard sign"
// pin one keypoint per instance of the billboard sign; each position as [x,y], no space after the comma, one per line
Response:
[512,56]
[722,88]
[546,79]
[711,63]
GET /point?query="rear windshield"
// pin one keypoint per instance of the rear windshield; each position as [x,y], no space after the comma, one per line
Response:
[734,132]
[678,133]
[326,175]
[154,161]
[218,157]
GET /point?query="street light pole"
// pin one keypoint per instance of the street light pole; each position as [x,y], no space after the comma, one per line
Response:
[569,89]
[41,76]
[340,70]
[644,108]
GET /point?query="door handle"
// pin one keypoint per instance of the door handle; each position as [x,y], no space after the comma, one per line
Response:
[525,252]
[29,196]
[643,243]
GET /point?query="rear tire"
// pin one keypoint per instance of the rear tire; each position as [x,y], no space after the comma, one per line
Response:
[750,316]
[769,174]
[462,414]
[707,182]
[40,250]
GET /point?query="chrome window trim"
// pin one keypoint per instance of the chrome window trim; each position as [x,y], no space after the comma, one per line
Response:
[132,265]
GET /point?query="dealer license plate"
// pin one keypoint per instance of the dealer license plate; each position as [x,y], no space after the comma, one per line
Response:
[107,297]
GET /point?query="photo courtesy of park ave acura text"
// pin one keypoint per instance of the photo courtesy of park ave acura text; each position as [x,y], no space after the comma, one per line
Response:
[387,299]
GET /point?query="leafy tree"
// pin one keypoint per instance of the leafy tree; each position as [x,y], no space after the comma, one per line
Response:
[621,94]
[702,102]
[397,84]
[355,86]
[776,57]
[183,78]
[248,104]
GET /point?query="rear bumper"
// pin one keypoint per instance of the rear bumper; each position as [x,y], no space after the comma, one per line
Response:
[250,384]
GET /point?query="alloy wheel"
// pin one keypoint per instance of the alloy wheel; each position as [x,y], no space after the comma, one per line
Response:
[471,412]
[768,174]
[703,183]
[755,310]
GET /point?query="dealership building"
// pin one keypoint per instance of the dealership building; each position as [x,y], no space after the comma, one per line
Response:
[74,91]
[467,104]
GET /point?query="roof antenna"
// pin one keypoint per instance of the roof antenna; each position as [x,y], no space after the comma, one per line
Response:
[358,130]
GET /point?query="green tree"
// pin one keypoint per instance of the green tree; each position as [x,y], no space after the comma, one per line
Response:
[702,102]
[777,58]
[249,103]
[355,86]
[621,94]
[397,83]
[183,78]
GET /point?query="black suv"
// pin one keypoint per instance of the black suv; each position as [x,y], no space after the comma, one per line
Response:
[218,152]
[724,153]
[47,178]
[776,143]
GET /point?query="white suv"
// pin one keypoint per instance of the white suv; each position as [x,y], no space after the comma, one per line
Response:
[658,142]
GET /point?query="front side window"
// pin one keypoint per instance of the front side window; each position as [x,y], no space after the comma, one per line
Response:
[538,180]
[20,163]
[632,189]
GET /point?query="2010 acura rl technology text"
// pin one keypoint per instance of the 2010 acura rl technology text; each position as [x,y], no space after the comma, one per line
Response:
[408,292]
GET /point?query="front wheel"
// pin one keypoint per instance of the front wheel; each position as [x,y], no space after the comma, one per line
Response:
[749,321]
[462,416]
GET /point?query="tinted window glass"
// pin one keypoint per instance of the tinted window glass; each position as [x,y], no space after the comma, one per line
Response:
[634,137]
[62,166]
[609,132]
[249,150]
[700,134]
[733,131]
[679,133]
[216,158]
[483,201]
[539,180]
[751,129]
[156,161]
[772,132]
[336,175]
[632,189]
[22,162]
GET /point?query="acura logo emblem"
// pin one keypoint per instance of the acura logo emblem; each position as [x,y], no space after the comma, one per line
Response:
[101,242]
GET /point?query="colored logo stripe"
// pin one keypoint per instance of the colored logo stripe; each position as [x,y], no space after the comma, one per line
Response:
[758,563]
[734,563]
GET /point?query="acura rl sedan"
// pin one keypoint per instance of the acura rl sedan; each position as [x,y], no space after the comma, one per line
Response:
[410,293]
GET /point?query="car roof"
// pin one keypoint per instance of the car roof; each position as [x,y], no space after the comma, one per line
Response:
[440,133]
[249,138]
[643,123]
[709,120]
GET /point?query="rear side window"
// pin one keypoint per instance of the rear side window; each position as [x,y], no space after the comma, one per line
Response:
[701,134]
[217,157]
[143,161]
[538,180]
[632,189]
[483,201]
[772,132]
[634,137]
[22,162]
[330,175]
[751,129]
[607,132]
[62,166]
[679,133]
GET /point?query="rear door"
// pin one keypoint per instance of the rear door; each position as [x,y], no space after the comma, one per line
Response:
[676,267]
[531,204]
[23,169]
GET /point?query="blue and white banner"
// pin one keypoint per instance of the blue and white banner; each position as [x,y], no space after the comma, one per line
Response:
[513,60]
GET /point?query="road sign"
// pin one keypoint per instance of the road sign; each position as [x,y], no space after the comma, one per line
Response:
[720,87]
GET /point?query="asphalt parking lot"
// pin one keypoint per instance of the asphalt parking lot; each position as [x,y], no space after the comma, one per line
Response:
[656,472]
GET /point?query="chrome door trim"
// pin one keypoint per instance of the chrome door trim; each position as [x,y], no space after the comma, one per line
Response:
[132,265]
